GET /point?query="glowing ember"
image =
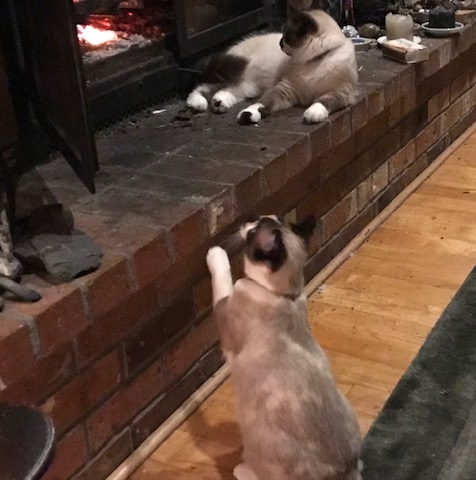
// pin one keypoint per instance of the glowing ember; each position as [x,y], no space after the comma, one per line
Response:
[95,36]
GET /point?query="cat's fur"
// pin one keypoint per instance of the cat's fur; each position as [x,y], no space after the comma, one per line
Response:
[312,64]
[296,425]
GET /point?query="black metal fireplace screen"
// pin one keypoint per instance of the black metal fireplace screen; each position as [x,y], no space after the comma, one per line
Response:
[75,65]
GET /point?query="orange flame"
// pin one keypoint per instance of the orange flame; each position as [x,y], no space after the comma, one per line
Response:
[95,36]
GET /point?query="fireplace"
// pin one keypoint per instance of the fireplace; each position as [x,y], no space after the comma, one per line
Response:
[79,65]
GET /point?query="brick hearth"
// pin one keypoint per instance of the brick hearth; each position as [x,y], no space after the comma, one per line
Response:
[113,353]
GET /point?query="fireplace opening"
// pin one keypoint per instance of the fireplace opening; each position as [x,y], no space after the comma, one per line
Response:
[137,53]
[81,65]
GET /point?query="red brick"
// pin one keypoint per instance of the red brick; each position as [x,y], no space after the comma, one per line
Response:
[220,212]
[46,376]
[375,102]
[438,103]
[16,350]
[107,287]
[202,296]
[364,194]
[144,344]
[444,52]
[181,273]
[59,315]
[401,160]
[108,330]
[359,109]
[335,219]
[70,403]
[409,102]
[70,454]
[425,139]
[451,116]
[459,85]
[111,417]
[341,126]
[473,75]
[189,233]
[299,155]
[320,141]
[186,352]
[104,463]
[249,192]
[148,250]
[379,179]
[395,112]
[276,174]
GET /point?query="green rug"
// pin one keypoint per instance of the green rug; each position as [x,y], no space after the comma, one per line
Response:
[427,428]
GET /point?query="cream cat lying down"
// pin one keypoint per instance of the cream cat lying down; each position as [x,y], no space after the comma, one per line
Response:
[312,64]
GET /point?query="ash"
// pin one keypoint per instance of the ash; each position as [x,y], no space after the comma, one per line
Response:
[91,56]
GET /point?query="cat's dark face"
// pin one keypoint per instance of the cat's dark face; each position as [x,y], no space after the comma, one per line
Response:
[297,31]
[271,241]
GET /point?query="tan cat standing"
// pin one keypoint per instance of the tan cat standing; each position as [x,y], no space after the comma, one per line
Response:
[296,424]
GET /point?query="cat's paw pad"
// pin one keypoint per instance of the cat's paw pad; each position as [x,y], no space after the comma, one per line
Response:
[217,258]
[222,101]
[252,114]
[316,113]
[196,101]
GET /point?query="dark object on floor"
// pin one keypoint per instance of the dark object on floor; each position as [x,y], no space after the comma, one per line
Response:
[47,240]
[26,442]
[427,428]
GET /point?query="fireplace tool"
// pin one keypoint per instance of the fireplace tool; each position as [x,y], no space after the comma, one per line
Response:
[10,267]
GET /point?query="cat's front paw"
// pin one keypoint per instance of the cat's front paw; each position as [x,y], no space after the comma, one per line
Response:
[217,259]
[252,114]
[196,101]
[222,101]
[316,113]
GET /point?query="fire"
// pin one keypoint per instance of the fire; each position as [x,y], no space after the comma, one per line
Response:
[95,36]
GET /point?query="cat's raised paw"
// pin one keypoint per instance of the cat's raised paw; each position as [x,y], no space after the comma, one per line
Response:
[252,114]
[196,101]
[316,113]
[217,258]
[222,101]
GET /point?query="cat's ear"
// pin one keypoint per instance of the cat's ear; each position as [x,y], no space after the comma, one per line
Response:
[305,228]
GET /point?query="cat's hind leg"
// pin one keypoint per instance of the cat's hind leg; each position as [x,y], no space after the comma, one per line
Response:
[220,270]
[243,472]
[198,98]
[225,98]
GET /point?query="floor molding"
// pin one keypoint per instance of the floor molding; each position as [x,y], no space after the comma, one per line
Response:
[131,463]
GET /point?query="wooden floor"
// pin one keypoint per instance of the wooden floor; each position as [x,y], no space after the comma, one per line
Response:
[371,316]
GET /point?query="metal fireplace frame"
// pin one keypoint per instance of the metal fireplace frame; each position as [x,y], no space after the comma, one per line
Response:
[192,44]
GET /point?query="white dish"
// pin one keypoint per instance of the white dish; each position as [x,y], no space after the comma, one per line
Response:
[361,44]
[442,32]
[383,39]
